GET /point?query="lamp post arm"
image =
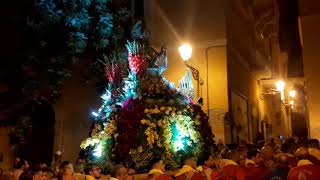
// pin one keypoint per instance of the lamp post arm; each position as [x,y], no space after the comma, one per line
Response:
[195,72]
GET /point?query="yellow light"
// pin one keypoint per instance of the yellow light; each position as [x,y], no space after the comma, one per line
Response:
[185,51]
[292,93]
[280,85]
[291,102]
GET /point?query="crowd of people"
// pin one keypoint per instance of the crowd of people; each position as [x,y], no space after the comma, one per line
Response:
[279,159]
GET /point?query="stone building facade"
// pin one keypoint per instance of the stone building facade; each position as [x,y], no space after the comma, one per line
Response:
[238,52]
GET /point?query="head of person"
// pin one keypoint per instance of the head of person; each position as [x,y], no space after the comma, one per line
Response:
[243,150]
[80,161]
[66,168]
[16,160]
[260,144]
[314,143]
[267,153]
[120,172]
[19,165]
[93,169]
[254,155]
[303,142]
[301,153]
[287,148]
[26,165]
[38,170]
[57,156]
[157,163]
[210,162]
[233,155]
[190,160]
[224,152]
[282,160]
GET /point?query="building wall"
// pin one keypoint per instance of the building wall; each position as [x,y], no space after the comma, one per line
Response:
[202,23]
[174,21]
[242,58]
[243,82]
[310,28]
[5,148]
[73,110]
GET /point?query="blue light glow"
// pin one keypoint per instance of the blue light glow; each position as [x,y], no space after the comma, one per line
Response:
[97,152]
[95,114]
[180,137]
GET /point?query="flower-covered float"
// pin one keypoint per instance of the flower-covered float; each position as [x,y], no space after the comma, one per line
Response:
[144,116]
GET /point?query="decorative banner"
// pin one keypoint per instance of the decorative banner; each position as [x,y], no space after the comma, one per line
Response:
[185,84]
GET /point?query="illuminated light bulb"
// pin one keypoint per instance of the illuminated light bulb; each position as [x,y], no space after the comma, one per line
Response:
[185,51]
[95,114]
[292,93]
[280,85]
[291,102]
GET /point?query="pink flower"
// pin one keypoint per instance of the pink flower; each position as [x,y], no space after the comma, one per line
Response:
[137,63]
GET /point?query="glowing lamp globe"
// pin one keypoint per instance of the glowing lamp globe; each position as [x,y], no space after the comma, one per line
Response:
[280,85]
[97,152]
[291,103]
[185,51]
[292,93]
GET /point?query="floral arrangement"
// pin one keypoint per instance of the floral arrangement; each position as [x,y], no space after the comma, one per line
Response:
[137,62]
[145,118]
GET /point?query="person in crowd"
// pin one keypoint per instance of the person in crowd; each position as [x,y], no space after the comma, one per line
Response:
[157,170]
[1,160]
[21,168]
[56,163]
[280,172]
[231,168]
[188,170]
[254,166]
[243,150]
[211,170]
[314,155]
[92,171]
[288,149]
[16,161]
[251,157]
[314,143]
[260,144]
[119,172]
[39,172]
[220,145]
[79,166]
[267,153]
[67,171]
[305,169]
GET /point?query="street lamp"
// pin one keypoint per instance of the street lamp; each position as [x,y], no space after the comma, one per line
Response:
[292,93]
[185,51]
[280,84]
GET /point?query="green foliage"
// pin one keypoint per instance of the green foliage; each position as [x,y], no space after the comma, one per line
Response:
[130,86]
[104,28]
[68,29]
[21,132]
[77,42]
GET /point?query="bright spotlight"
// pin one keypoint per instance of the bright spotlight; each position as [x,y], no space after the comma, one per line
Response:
[185,51]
